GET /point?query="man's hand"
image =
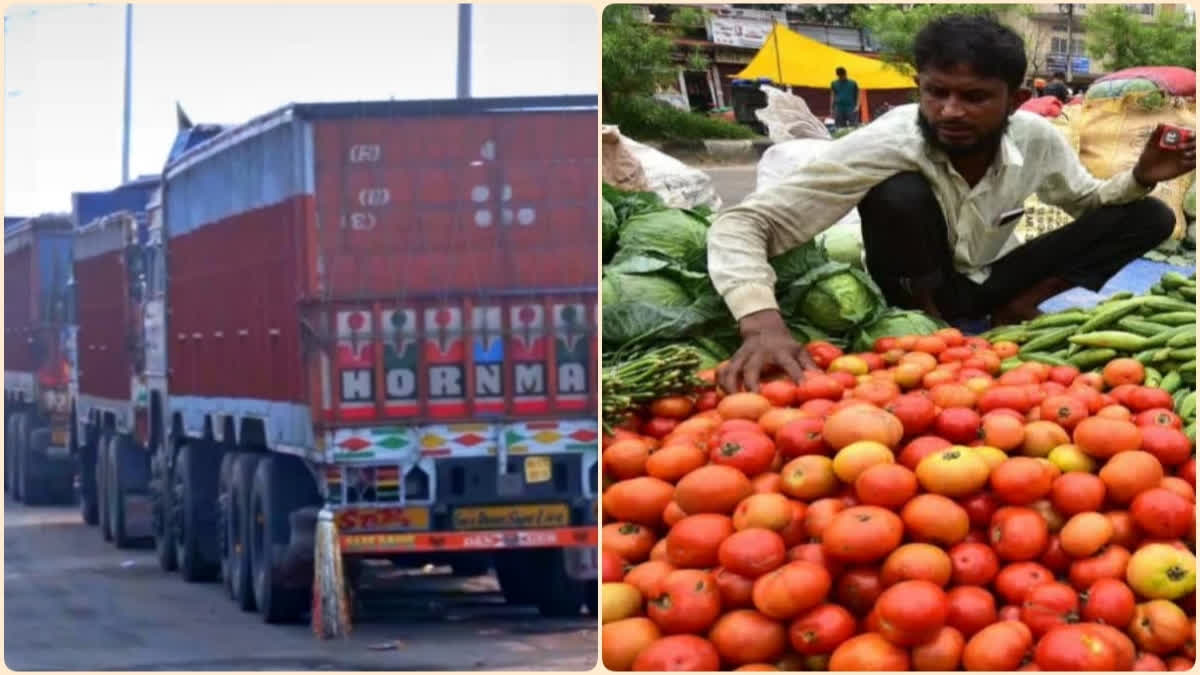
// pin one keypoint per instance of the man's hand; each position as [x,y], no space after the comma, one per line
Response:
[1157,165]
[765,340]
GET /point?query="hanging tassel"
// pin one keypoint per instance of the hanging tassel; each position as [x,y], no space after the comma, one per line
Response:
[330,605]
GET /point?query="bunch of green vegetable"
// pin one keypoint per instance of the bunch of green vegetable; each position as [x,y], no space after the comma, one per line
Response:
[639,379]
[1157,328]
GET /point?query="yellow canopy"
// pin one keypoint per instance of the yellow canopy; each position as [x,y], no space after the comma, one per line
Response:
[792,59]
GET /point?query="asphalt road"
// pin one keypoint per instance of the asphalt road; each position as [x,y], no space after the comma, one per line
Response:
[73,602]
[732,182]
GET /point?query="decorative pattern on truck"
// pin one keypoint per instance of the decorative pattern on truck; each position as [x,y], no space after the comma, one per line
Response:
[445,351]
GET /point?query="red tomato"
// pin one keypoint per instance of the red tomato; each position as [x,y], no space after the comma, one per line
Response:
[749,452]
[1016,580]
[1049,605]
[688,602]
[958,425]
[973,564]
[911,612]
[970,609]
[821,629]
[1108,601]
[1018,533]
[801,437]
[1158,417]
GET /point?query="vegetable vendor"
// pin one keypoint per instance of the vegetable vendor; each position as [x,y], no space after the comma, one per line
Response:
[939,186]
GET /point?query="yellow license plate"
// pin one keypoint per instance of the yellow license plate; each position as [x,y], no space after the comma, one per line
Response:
[537,469]
[505,517]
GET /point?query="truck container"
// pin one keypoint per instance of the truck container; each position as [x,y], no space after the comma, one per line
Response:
[386,309]
[38,467]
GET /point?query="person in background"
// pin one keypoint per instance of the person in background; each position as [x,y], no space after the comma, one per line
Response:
[844,99]
[1058,88]
[1039,87]
[939,186]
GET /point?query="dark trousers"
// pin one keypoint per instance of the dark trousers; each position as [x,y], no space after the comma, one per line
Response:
[844,118]
[907,249]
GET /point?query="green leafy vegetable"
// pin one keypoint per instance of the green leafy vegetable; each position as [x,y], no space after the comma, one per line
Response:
[894,322]
[611,229]
[834,297]
[672,234]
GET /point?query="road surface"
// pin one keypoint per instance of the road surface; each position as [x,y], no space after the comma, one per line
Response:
[732,183]
[74,602]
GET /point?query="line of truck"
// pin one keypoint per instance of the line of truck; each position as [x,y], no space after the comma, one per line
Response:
[386,309]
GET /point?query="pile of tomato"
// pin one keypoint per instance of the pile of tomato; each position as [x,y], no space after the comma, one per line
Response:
[913,508]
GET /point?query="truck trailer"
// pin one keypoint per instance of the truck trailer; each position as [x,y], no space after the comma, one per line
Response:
[383,309]
[38,322]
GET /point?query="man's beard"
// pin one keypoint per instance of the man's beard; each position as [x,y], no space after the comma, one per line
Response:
[988,142]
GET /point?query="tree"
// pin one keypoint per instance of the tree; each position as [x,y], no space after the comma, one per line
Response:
[1119,39]
[636,56]
[895,27]
[1035,34]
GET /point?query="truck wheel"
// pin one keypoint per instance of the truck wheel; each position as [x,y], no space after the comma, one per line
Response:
[471,565]
[18,452]
[558,594]
[278,490]
[517,576]
[89,510]
[103,447]
[241,482]
[34,486]
[10,456]
[120,461]
[160,504]
[194,516]
[223,496]
[88,505]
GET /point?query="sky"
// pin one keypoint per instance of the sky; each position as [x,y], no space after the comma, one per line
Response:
[63,74]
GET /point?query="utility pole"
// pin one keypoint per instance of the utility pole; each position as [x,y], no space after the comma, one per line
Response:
[128,66]
[1069,10]
[464,51]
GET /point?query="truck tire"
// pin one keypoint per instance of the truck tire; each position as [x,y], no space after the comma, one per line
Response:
[89,510]
[10,455]
[121,479]
[194,516]
[471,565]
[517,576]
[103,446]
[279,489]
[241,482]
[558,594]
[223,496]
[18,453]
[35,488]
[160,504]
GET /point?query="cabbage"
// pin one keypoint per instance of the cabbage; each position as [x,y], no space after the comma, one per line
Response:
[672,234]
[892,323]
[611,229]
[834,297]
[843,243]
[639,305]
[797,262]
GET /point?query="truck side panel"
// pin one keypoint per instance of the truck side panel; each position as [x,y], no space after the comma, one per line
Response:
[103,315]
[235,224]
[18,309]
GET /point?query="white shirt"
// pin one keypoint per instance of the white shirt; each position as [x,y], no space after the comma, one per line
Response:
[1033,157]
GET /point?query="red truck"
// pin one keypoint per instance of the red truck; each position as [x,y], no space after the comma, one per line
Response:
[384,308]
[38,467]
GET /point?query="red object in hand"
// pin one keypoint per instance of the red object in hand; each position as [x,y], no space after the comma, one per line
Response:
[1172,137]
